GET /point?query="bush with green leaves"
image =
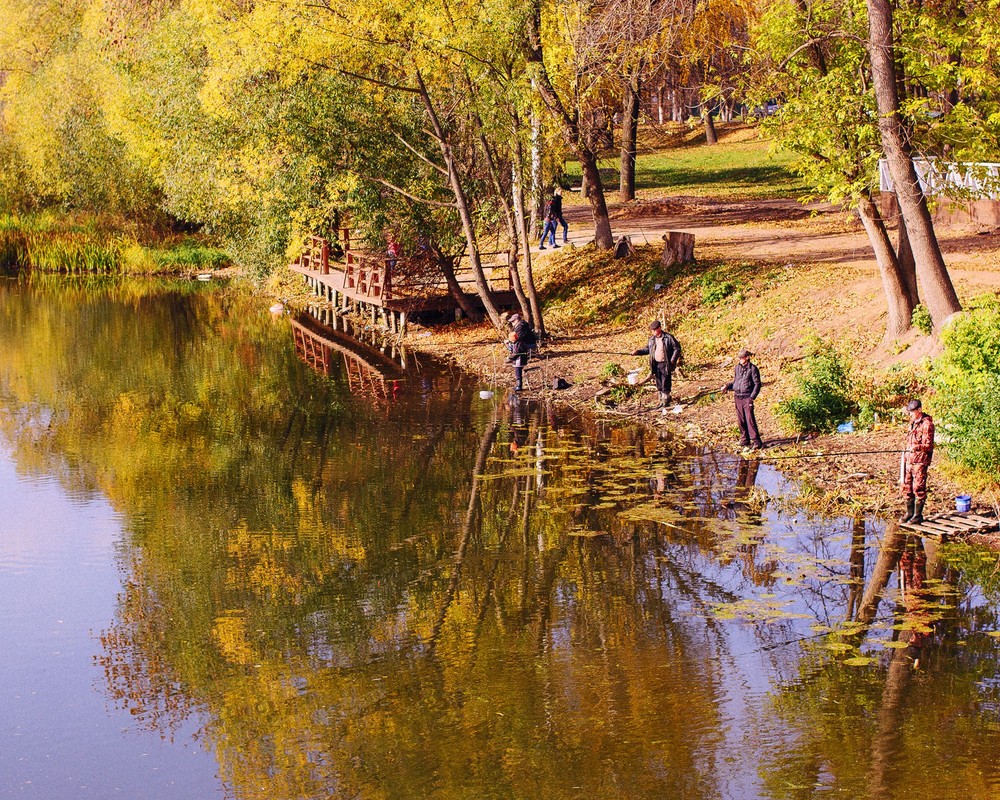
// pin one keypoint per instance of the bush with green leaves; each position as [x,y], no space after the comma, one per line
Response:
[715,288]
[921,320]
[611,371]
[824,398]
[966,379]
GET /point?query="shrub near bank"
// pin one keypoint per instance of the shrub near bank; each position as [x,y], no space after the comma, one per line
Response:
[832,390]
[966,379]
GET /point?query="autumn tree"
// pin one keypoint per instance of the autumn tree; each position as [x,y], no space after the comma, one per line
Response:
[939,294]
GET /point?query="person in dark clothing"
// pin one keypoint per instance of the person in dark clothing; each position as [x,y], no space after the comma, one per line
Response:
[555,206]
[520,343]
[745,387]
[549,226]
[664,352]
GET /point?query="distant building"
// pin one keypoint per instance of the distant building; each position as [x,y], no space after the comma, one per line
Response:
[958,192]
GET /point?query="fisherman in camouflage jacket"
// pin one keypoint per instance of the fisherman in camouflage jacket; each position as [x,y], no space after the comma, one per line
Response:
[917,458]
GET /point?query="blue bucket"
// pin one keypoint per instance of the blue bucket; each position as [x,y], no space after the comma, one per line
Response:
[963,503]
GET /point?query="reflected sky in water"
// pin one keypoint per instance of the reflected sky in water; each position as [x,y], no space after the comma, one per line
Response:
[225,572]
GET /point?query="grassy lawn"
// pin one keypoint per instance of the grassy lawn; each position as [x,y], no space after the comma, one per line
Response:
[736,168]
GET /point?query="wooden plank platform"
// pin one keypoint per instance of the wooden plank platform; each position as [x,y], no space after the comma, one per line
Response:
[951,525]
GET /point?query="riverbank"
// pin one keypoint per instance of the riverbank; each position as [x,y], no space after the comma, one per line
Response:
[88,244]
[825,287]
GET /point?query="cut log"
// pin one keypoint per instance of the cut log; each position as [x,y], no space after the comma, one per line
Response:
[678,248]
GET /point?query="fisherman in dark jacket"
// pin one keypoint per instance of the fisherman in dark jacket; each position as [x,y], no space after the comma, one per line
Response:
[664,352]
[745,387]
[520,342]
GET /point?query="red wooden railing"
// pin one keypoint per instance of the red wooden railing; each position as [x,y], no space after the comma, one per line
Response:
[374,276]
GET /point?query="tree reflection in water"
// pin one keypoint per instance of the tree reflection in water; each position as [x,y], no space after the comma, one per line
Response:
[444,597]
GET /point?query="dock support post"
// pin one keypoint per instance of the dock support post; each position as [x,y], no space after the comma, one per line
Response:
[402,322]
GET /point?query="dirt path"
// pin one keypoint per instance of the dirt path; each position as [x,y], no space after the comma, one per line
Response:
[781,231]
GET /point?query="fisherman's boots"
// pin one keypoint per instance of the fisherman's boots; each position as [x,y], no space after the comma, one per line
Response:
[918,513]
[908,516]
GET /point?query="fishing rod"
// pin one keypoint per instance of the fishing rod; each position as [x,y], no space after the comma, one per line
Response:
[758,456]
[838,453]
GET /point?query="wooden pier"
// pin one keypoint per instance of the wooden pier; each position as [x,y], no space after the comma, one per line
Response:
[952,525]
[388,290]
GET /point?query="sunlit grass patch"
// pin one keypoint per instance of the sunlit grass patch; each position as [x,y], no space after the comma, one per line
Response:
[735,170]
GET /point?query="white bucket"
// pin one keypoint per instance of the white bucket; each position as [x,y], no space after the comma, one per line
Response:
[633,377]
[485,394]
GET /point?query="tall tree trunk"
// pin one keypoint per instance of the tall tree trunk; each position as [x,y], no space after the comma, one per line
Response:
[524,236]
[462,204]
[598,205]
[907,266]
[938,291]
[630,132]
[711,137]
[534,199]
[447,266]
[570,123]
[898,300]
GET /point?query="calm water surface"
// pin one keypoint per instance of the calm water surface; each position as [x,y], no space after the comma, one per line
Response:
[225,573]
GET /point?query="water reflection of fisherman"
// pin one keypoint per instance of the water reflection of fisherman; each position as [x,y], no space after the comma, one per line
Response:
[746,480]
[912,574]
[518,428]
[658,481]
[746,476]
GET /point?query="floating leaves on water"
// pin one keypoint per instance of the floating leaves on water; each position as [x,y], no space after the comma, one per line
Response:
[858,661]
[896,645]
[994,634]
[839,647]
[757,610]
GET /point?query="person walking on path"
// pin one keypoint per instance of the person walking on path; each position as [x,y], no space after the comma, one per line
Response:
[664,353]
[520,343]
[745,387]
[550,225]
[916,460]
[555,204]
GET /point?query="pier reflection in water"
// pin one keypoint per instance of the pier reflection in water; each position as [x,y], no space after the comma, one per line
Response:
[432,595]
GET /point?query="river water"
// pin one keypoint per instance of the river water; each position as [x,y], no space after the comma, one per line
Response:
[227,572]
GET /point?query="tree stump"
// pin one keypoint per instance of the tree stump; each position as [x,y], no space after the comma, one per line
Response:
[624,247]
[678,248]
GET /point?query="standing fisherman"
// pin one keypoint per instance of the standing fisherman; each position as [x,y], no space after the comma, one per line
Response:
[664,353]
[745,387]
[916,460]
[520,342]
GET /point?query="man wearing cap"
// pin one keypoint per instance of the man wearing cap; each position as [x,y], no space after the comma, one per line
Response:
[916,460]
[664,352]
[520,343]
[745,387]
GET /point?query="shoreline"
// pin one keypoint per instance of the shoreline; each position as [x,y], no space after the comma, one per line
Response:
[861,482]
